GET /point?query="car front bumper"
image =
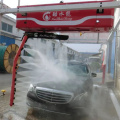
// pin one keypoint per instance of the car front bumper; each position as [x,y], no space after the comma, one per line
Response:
[69,108]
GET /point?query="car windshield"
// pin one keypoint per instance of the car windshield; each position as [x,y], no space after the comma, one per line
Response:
[78,69]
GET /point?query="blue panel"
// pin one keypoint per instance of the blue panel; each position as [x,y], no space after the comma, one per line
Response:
[7,40]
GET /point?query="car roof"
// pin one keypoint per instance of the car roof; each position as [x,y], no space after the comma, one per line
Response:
[71,62]
[76,62]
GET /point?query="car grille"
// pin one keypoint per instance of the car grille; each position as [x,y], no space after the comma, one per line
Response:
[53,96]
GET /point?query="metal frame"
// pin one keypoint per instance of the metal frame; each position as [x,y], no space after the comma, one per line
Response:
[89,41]
[24,40]
[13,89]
[110,38]
[63,7]
[113,30]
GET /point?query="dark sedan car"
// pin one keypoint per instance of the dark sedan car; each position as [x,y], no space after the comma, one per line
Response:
[63,97]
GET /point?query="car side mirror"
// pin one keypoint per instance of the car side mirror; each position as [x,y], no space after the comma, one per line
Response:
[94,74]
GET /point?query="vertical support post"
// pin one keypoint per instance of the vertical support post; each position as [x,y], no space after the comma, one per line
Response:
[1,4]
[98,38]
[1,14]
[14,69]
[103,67]
[104,71]
[18,2]
[104,62]
[0,25]
[116,59]
[110,54]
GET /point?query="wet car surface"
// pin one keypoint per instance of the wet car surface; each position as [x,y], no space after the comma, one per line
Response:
[70,97]
[101,108]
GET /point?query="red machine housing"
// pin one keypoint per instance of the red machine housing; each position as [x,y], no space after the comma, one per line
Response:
[74,20]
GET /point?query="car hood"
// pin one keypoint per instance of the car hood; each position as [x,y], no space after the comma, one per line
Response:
[75,85]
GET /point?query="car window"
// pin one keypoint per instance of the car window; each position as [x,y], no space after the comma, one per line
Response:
[78,69]
[75,68]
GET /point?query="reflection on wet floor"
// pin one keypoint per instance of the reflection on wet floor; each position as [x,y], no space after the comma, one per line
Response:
[101,108]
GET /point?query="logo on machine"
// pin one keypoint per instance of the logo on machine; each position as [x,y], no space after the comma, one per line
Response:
[46,16]
[57,16]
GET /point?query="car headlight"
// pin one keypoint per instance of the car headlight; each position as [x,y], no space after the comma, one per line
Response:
[80,96]
[31,87]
